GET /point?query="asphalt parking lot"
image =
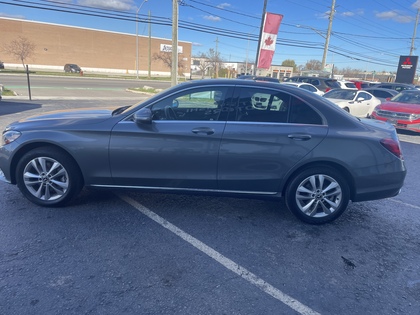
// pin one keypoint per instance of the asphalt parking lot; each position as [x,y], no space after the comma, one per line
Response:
[126,252]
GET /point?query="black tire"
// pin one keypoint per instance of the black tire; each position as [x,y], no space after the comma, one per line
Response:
[48,177]
[347,109]
[308,199]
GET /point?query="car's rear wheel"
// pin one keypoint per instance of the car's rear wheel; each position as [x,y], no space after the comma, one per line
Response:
[48,177]
[317,195]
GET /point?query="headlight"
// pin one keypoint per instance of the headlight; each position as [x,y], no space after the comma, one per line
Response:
[9,136]
[414,117]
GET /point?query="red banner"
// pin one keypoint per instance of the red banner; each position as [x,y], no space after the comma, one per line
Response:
[268,39]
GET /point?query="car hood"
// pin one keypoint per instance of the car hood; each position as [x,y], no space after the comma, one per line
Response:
[401,107]
[64,119]
[338,100]
[85,113]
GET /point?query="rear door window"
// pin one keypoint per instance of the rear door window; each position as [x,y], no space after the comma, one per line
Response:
[271,106]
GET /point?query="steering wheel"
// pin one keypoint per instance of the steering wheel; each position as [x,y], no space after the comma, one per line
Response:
[170,113]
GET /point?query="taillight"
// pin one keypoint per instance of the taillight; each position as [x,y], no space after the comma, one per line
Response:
[327,89]
[392,146]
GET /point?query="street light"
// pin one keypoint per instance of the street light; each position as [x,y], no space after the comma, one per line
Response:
[137,38]
[327,40]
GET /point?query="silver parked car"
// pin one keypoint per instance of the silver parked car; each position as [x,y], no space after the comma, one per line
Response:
[233,137]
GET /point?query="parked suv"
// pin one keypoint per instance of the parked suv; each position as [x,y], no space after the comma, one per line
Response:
[71,67]
[323,84]
[396,86]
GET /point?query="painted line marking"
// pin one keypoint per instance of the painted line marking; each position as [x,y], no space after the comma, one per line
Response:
[224,261]
[405,204]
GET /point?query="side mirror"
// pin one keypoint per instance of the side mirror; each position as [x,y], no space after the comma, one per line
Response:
[359,99]
[143,116]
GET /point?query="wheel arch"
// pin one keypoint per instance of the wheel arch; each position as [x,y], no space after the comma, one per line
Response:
[35,145]
[333,165]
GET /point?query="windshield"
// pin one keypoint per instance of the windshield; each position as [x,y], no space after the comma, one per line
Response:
[341,94]
[407,97]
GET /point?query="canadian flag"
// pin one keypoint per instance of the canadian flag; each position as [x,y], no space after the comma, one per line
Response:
[268,39]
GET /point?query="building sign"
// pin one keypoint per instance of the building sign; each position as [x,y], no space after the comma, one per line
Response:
[406,69]
[168,48]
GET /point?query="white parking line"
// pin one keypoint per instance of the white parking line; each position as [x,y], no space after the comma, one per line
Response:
[224,261]
[405,204]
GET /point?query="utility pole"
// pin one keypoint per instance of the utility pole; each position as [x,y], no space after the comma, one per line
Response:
[174,70]
[259,39]
[137,38]
[216,74]
[414,33]
[327,39]
[149,63]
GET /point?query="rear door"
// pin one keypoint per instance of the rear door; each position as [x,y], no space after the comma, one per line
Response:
[266,134]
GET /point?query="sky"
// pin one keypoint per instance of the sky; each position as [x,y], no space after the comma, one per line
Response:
[369,35]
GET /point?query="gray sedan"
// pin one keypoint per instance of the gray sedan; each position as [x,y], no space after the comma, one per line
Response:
[233,137]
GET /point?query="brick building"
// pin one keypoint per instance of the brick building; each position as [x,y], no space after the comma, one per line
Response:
[93,50]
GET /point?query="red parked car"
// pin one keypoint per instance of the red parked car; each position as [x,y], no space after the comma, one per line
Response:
[403,110]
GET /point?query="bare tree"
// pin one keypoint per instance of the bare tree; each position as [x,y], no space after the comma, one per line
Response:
[203,63]
[21,48]
[166,59]
[289,63]
[313,65]
[215,60]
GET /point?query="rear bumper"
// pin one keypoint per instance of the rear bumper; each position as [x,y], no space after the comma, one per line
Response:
[386,183]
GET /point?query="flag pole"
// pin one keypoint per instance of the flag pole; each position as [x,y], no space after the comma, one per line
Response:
[259,39]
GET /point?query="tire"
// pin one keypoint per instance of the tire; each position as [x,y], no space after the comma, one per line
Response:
[318,195]
[347,109]
[48,177]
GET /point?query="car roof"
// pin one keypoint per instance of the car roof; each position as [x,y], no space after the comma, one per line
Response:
[397,84]
[392,91]
[298,83]
[312,77]
[258,77]
[232,82]
[411,91]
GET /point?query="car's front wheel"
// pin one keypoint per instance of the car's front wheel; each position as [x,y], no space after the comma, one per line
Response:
[48,177]
[318,195]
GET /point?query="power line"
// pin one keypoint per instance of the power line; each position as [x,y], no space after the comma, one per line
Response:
[55,6]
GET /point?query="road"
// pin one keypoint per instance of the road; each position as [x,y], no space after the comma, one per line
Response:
[127,252]
[50,87]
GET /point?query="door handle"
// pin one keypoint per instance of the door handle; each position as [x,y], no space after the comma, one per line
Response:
[205,130]
[299,137]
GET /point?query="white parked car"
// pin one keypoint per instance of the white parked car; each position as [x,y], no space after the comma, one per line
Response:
[347,85]
[359,103]
[306,86]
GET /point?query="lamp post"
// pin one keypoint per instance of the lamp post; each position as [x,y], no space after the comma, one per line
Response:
[137,38]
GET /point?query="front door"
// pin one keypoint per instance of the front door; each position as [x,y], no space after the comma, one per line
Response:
[179,149]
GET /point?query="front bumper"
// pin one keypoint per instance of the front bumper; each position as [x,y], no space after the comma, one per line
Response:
[3,177]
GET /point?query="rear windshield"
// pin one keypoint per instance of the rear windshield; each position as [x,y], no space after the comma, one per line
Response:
[332,84]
